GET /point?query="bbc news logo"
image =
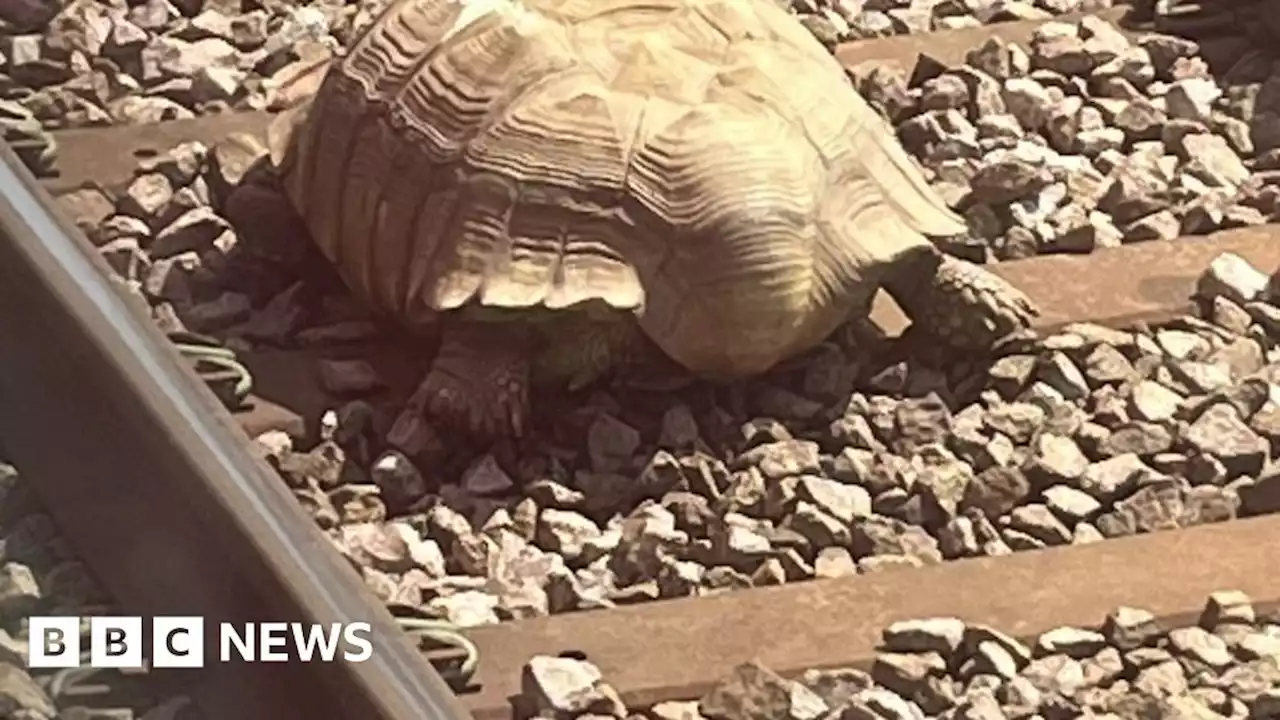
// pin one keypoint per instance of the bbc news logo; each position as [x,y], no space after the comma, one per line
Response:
[178,642]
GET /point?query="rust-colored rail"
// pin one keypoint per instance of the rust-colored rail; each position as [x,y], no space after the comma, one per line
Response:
[651,652]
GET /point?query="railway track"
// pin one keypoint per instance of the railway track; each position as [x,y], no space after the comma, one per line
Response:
[143,469]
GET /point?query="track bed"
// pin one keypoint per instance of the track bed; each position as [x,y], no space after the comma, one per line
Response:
[670,533]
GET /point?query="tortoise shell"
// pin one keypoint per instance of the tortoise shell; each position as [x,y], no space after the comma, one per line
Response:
[703,164]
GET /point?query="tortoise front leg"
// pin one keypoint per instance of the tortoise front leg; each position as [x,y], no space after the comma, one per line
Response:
[479,382]
[581,348]
[955,302]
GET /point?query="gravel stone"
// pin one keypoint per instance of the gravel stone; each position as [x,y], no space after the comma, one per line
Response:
[1153,402]
[1056,459]
[1259,646]
[1231,276]
[342,377]
[1199,645]
[834,562]
[1076,643]
[888,536]
[843,502]
[1158,506]
[1221,433]
[932,635]
[1192,98]
[754,692]
[783,459]
[1018,421]
[1137,438]
[1227,607]
[565,685]
[905,674]
[1055,674]
[19,591]
[1070,504]
[1106,365]
[1128,628]
[996,491]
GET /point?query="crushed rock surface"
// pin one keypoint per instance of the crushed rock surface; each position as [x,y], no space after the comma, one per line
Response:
[1085,138]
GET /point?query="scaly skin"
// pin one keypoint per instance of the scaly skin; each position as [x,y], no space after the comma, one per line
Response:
[479,380]
[959,304]
[489,360]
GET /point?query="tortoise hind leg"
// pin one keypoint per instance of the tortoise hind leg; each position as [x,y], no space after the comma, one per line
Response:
[956,302]
[479,382]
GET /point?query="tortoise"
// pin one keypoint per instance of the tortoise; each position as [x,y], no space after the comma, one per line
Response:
[563,187]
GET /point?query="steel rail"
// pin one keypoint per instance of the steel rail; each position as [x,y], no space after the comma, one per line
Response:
[153,484]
